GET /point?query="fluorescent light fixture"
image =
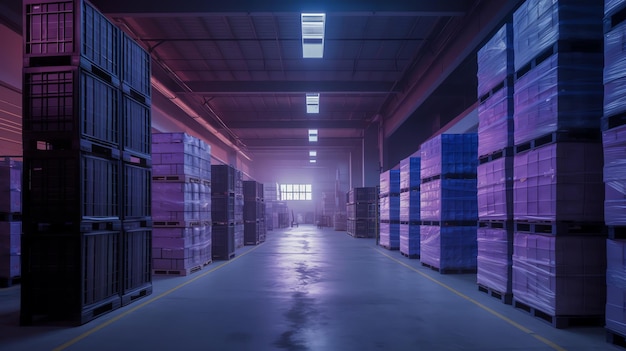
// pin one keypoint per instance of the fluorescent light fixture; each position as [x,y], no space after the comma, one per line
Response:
[312,161]
[313,34]
[312,134]
[313,153]
[312,103]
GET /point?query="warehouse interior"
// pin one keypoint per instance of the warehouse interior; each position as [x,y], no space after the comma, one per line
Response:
[344,111]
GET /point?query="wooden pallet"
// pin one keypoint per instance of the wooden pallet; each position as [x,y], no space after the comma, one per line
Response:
[181,272]
[506,298]
[450,270]
[413,256]
[561,321]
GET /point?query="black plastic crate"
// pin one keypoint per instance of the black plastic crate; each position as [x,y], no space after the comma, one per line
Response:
[136,70]
[260,191]
[137,191]
[367,194]
[69,277]
[251,210]
[68,103]
[222,179]
[251,233]
[222,208]
[67,32]
[223,241]
[137,123]
[62,187]
[137,264]
[250,190]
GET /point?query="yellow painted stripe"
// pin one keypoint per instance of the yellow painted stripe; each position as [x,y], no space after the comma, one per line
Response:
[493,312]
[135,308]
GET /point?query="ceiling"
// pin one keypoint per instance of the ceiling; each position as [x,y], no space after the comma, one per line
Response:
[238,63]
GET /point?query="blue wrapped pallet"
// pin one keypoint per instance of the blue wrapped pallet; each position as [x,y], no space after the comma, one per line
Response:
[410,240]
[612,6]
[410,206]
[564,92]
[449,154]
[389,235]
[614,74]
[389,207]
[495,60]
[495,122]
[410,173]
[445,200]
[390,182]
[539,24]
[449,249]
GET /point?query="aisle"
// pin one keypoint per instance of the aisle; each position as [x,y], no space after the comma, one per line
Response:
[307,289]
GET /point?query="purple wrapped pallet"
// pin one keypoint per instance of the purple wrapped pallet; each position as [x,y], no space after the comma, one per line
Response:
[560,275]
[615,53]
[10,186]
[614,141]
[180,154]
[563,92]
[495,122]
[181,202]
[550,185]
[494,260]
[389,235]
[616,286]
[538,24]
[495,189]
[10,238]
[449,154]
[611,6]
[390,208]
[410,206]
[495,60]
[410,240]
[449,200]
[390,182]
[615,97]
[410,173]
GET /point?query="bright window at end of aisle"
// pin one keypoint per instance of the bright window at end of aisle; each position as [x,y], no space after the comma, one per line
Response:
[295,192]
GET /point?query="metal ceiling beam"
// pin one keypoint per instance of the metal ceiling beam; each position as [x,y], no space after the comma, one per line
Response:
[283,143]
[298,124]
[230,87]
[197,7]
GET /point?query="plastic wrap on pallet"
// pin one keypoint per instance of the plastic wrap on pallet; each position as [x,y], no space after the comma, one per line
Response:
[390,208]
[410,239]
[10,238]
[495,186]
[10,185]
[615,53]
[410,172]
[181,202]
[550,185]
[449,200]
[563,92]
[494,260]
[560,275]
[181,237]
[538,24]
[495,59]
[180,154]
[611,6]
[615,97]
[410,206]
[390,182]
[449,153]
[616,286]
[389,235]
[495,122]
[614,141]
[452,248]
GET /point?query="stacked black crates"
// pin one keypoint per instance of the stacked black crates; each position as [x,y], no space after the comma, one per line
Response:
[495,165]
[270,196]
[86,204]
[559,252]
[223,180]
[10,220]
[239,225]
[253,213]
[448,203]
[614,140]
[181,204]
[389,208]
[410,207]
[362,211]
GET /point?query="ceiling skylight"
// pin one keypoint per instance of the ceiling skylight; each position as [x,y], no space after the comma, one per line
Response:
[313,34]
[312,103]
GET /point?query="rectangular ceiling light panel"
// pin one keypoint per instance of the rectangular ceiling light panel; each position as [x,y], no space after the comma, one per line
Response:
[312,134]
[312,103]
[313,34]
[313,153]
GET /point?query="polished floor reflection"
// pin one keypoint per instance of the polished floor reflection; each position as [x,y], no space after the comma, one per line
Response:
[306,289]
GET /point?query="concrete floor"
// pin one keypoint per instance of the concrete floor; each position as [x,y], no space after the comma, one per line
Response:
[306,289]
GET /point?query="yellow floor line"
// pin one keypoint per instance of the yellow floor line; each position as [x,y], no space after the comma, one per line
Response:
[143,304]
[493,312]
